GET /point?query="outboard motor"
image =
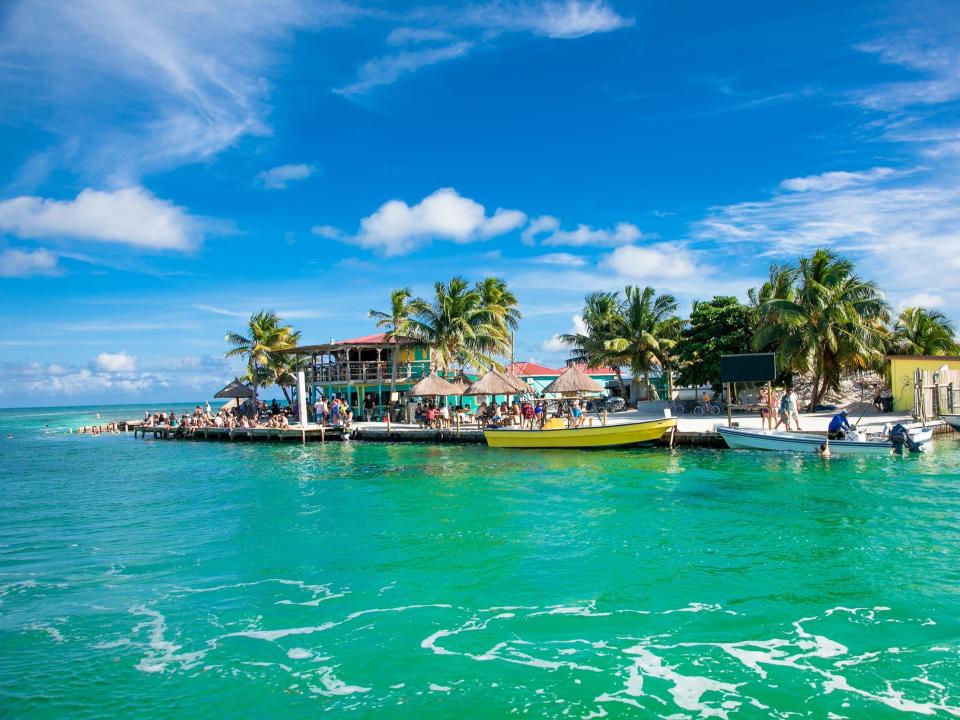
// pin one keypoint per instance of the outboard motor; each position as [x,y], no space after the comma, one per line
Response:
[900,438]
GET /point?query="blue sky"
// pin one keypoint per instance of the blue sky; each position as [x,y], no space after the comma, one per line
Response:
[167,168]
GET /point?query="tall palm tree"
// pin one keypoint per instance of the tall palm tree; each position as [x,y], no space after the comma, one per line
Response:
[397,323]
[463,324]
[779,285]
[919,331]
[601,316]
[264,337]
[499,304]
[646,331]
[825,321]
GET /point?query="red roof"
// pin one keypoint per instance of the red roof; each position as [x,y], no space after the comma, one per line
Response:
[375,339]
[597,370]
[530,369]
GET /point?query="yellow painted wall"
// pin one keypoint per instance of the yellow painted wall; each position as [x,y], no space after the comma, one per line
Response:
[409,353]
[902,369]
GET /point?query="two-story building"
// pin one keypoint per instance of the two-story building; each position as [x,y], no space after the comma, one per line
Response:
[351,369]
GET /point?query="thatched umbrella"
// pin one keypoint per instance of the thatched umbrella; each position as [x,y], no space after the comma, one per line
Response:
[235,390]
[494,382]
[573,380]
[433,385]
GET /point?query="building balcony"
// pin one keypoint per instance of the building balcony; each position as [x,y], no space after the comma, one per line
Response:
[364,372]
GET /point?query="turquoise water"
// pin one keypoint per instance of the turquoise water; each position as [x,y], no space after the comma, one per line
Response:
[182,580]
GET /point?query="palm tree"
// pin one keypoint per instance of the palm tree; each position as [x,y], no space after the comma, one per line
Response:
[500,306]
[264,338]
[919,331]
[465,324]
[646,331]
[825,320]
[397,322]
[280,370]
[602,315]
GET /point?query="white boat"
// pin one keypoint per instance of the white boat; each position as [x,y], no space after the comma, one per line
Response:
[952,420]
[759,439]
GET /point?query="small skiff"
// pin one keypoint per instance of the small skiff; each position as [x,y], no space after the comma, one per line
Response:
[605,436]
[759,439]
[952,420]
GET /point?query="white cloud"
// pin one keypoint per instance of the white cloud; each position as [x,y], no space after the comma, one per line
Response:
[537,226]
[922,299]
[20,263]
[903,234]
[564,19]
[279,177]
[188,77]
[934,58]
[483,23]
[397,228]
[222,311]
[653,263]
[586,236]
[829,181]
[120,362]
[132,216]
[414,35]
[565,259]
[388,68]
[555,344]
[328,231]
[174,377]
[583,236]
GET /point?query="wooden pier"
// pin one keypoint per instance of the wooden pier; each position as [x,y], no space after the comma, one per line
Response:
[696,437]
[311,433]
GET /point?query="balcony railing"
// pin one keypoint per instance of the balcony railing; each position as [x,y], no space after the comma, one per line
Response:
[365,371]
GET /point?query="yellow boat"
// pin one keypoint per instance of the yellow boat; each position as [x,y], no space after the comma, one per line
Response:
[603,436]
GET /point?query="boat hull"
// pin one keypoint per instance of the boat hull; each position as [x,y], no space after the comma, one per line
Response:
[607,436]
[952,420]
[742,439]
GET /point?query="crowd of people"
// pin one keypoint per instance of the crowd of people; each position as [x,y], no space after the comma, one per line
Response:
[337,412]
[243,417]
[523,413]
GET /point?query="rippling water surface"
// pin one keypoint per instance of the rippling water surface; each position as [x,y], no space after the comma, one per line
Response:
[183,580]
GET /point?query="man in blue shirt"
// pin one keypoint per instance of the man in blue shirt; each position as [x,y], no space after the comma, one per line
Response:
[838,425]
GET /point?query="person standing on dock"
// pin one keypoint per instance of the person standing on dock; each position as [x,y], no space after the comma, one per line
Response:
[789,408]
[368,407]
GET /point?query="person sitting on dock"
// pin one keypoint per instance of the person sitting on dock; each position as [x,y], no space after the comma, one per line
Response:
[430,417]
[839,424]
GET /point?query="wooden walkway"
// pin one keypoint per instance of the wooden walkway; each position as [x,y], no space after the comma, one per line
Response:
[394,433]
[312,433]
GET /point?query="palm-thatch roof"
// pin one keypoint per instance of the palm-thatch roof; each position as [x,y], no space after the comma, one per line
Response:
[236,389]
[495,382]
[573,380]
[433,385]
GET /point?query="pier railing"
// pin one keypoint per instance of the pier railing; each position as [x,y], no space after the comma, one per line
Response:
[363,371]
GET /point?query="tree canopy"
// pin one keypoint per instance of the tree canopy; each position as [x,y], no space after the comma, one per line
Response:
[721,326]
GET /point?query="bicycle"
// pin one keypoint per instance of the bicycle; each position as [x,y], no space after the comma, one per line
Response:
[678,407]
[706,408]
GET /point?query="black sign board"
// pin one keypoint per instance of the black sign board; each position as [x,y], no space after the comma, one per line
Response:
[752,367]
